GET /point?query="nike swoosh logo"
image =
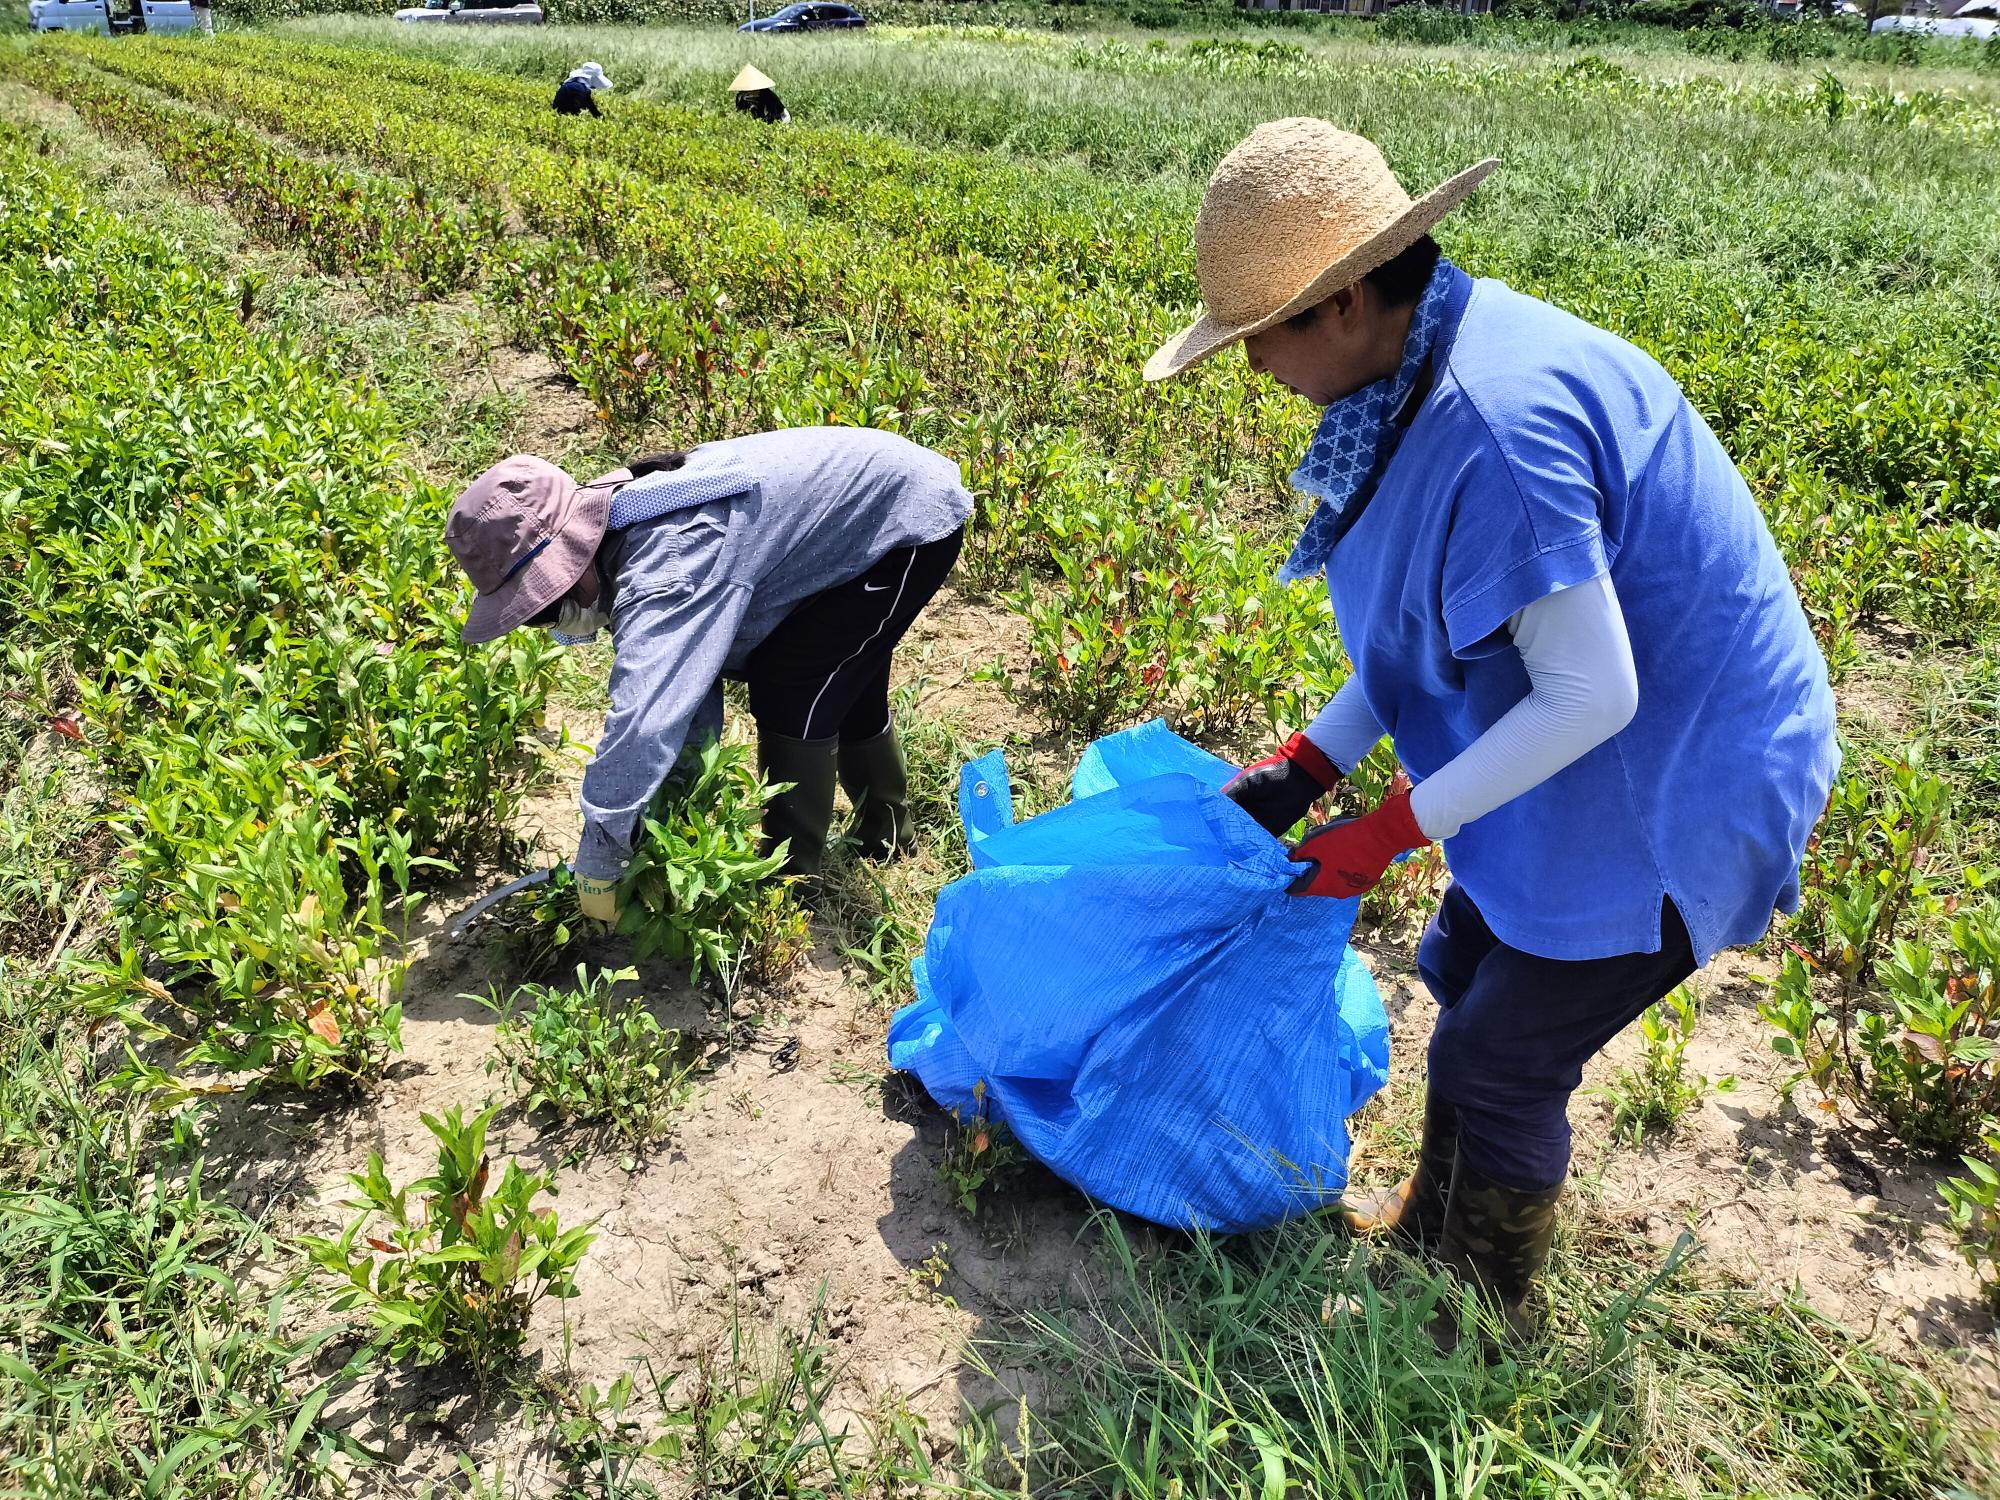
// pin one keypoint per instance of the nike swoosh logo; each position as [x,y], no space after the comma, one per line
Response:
[874,588]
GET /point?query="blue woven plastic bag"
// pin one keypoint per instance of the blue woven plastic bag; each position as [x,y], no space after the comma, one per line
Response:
[1152,1014]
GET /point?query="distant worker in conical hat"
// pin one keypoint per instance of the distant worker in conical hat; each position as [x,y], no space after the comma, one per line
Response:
[576,96]
[757,95]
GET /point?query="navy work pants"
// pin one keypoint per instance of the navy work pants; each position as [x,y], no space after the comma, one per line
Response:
[1514,1031]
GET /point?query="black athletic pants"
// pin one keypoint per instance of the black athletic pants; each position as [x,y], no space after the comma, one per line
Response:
[825,670]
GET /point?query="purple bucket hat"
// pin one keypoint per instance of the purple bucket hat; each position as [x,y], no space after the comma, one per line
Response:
[524,531]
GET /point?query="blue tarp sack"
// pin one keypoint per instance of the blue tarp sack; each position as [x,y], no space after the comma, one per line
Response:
[1150,1012]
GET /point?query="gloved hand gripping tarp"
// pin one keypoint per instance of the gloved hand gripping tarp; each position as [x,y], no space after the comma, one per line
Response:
[1152,1014]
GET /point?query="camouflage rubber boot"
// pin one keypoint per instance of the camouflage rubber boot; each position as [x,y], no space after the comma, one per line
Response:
[1496,1240]
[877,783]
[805,813]
[1411,1214]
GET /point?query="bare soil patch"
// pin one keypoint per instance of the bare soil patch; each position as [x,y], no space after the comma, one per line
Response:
[800,1191]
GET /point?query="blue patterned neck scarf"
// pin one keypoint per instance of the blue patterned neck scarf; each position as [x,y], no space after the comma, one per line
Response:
[1357,435]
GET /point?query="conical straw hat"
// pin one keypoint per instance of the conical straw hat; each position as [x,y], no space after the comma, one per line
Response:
[1296,212]
[750,79]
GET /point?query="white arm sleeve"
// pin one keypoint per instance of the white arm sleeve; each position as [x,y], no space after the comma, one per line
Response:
[1583,688]
[1345,730]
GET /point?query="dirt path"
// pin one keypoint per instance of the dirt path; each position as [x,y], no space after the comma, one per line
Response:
[800,1189]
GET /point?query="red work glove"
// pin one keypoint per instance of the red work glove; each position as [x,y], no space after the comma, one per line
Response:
[1283,786]
[1350,857]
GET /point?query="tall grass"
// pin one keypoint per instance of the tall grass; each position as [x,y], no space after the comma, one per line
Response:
[1300,1363]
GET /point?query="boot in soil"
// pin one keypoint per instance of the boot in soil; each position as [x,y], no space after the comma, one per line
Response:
[1496,1240]
[1410,1215]
[877,782]
[805,813]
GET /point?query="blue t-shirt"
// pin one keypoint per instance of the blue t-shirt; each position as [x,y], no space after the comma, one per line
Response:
[1549,452]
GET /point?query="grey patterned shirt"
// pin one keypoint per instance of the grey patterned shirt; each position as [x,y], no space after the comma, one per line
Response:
[696,590]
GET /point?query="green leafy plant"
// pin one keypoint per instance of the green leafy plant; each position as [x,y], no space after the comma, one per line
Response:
[586,1053]
[1661,1089]
[981,1156]
[456,1269]
[1973,1201]
[699,888]
[1889,993]
[1931,1057]
[263,674]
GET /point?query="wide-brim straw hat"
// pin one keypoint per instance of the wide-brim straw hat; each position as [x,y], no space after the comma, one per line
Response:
[524,531]
[1299,210]
[749,81]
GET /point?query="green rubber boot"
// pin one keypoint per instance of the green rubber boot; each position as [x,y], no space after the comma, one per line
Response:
[805,813]
[877,782]
[1496,1240]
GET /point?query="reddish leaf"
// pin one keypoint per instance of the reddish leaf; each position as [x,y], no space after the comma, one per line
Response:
[464,1204]
[323,1025]
[66,725]
[1929,1046]
[383,1245]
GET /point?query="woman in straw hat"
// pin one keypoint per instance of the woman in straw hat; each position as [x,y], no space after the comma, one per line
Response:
[758,97]
[1563,606]
[792,561]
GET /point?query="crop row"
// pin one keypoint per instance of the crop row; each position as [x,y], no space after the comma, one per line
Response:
[1759,361]
[1950,112]
[669,298]
[337,219]
[218,538]
[1020,338]
[1177,618]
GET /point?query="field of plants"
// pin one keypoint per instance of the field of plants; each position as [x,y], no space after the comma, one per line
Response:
[304,1192]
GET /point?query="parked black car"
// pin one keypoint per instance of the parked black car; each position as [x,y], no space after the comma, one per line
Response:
[819,16]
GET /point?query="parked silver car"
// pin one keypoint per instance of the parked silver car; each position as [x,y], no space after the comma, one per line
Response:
[1978,22]
[474,12]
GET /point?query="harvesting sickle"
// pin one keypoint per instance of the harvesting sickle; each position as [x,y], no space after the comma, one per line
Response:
[1563,606]
[793,562]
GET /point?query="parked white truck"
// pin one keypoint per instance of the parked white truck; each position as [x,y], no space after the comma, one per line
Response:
[111,17]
